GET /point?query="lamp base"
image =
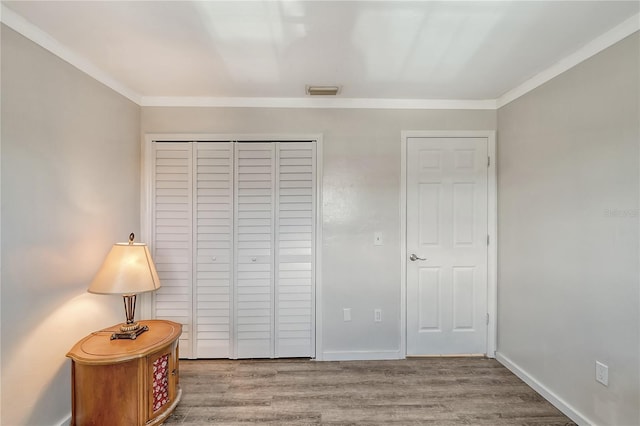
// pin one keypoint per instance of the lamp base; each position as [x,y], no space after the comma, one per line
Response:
[129,334]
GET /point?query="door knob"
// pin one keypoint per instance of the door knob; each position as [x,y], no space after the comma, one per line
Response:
[413,257]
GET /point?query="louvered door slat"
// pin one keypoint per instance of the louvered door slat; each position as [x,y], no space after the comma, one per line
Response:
[295,234]
[213,248]
[172,236]
[254,250]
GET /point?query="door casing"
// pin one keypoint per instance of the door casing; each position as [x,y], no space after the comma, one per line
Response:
[492,230]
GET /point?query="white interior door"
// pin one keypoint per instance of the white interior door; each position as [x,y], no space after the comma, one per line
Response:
[446,246]
[172,212]
[234,244]
[275,235]
[295,238]
[213,189]
[254,281]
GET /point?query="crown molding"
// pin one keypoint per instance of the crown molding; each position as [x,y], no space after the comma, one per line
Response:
[349,103]
[35,34]
[597,45]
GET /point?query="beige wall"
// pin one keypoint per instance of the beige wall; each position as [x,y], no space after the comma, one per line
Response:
[361,191]
[568,186]
[70,173]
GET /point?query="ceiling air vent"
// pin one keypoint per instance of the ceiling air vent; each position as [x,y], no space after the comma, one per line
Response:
[323,90]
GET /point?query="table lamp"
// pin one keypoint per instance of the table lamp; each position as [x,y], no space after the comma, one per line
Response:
[127,270]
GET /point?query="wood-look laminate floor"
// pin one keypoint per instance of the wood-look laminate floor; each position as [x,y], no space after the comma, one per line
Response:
[425,391]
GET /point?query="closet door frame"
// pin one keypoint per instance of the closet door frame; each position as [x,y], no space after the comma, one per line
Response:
[146,207]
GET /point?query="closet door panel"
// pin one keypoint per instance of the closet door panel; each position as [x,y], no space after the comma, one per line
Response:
[213,248]
[254,250]
[294,240]
[172,239]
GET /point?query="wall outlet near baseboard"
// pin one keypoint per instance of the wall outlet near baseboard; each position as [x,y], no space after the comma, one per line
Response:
[377,315]
[602,373]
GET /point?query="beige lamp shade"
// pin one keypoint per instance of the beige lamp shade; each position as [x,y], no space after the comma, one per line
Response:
[128,269]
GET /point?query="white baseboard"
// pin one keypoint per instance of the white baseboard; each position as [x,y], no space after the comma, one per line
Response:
[360,355]
[554,399]
[66,421]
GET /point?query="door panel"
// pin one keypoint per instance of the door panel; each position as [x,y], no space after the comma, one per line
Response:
[294,237]
[254,250]
[172,239]
[428,299]
[447,226]
[213,262]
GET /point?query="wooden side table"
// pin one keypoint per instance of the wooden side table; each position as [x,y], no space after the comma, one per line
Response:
[126,382]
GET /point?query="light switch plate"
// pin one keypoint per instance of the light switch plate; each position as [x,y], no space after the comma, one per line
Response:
[346,313]
[602,373]
[377,238]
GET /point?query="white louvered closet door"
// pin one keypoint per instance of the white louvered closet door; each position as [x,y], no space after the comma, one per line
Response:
[213,248]
[234,245]
[295,249]
[172,235]
[254,314]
